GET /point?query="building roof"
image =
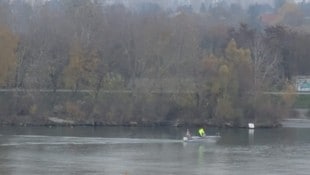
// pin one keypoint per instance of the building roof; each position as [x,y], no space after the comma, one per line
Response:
[268,18]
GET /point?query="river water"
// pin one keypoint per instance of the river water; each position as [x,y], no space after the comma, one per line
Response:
[153,151]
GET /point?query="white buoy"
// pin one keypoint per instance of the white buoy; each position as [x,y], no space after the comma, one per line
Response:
[251,125]
[185,139]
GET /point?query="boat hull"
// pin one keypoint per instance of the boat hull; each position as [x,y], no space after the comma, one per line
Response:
[201,139]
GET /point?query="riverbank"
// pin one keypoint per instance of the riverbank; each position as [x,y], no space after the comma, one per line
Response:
[130,109]
[29,121]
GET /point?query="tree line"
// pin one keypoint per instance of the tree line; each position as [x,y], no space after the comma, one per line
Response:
[167,67]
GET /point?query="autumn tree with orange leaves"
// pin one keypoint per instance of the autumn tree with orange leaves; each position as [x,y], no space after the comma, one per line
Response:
[8,46]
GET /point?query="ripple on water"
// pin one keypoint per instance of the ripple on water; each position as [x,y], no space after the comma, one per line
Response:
[19,140]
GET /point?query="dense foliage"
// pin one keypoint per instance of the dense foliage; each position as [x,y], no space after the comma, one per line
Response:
[109,64]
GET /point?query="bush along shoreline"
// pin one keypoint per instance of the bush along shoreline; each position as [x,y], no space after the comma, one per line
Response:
[124,110]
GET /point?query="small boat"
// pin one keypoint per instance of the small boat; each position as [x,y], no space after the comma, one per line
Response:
[201,139]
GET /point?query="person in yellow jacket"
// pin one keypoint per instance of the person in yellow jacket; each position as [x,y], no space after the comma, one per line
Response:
[201,132]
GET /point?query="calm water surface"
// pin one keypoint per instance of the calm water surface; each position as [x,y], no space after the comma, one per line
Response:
[153,151]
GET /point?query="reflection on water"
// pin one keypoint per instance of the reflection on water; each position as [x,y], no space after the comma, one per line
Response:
[251,136]
[148,151]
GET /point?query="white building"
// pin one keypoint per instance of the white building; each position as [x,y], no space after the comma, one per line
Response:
[301,1]
[302,83]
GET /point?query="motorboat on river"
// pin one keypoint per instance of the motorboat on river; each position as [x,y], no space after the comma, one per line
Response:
[209,138]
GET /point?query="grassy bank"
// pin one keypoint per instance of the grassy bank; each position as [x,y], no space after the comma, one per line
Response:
[302,101]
